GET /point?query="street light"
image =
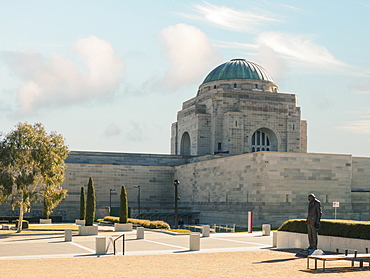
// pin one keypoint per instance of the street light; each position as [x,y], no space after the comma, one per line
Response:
[176,183]
[110,200]
[138,198]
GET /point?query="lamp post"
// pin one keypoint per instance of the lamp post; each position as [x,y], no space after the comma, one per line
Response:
[110,200]
[138,198]
[176,183]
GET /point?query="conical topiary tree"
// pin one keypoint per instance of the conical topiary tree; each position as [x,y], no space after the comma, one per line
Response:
[82,204]
[123,207]
[90,203]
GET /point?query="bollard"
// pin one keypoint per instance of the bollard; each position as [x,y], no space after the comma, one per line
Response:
[68,235]
[205,231]
[100,245]
[250,221]
[266,228]
[194,242]
[274,239]
[140,233]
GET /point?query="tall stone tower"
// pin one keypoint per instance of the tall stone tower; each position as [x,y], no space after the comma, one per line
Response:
[238,109]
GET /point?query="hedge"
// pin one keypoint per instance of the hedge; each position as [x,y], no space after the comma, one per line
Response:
[329,227]
[142,222]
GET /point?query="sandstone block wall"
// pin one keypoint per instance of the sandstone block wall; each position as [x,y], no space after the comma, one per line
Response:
[273,185]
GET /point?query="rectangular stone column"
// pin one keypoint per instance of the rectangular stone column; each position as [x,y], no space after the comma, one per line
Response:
[205,231]
[194,244]
[68,235]
[140,233]
[100,245]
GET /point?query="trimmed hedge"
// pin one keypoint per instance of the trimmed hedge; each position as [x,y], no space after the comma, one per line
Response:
[142,222]
[340,228]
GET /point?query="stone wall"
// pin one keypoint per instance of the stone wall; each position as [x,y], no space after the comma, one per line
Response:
[222,188]
[360,188]
[273,185]
[223,120]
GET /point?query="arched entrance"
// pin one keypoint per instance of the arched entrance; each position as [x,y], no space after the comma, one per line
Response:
[264,139]
[185,144]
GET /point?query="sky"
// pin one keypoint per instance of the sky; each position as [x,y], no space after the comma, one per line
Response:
[111,75]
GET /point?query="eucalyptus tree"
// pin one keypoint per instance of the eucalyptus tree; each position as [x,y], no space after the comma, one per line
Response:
[32,168]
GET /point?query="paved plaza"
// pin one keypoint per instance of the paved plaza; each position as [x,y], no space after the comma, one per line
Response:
[35,246]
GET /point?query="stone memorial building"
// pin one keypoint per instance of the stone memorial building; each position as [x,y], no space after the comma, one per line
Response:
[239,145]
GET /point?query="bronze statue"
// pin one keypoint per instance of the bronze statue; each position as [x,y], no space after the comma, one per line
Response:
[313,220]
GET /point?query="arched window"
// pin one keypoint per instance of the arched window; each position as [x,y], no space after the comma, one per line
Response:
[260,141]
[185,144]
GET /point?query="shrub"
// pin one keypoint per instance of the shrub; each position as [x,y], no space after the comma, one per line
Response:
[82,204]
[329,227]
[183,231]
[142,222]
[123,206]
[90,203]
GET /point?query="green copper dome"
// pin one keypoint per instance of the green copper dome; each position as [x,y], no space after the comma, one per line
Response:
[238,69]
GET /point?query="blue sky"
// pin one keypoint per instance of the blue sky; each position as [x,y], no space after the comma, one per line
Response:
[112,75]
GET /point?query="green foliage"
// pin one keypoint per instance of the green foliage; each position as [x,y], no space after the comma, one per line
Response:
[90,203]
[296,225]
[53,195]
[123,206]
[142,222]
[329,227]
[181,231]
[82,204]
[32,167]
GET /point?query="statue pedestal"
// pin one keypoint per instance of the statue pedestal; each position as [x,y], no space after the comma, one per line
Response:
[304,253]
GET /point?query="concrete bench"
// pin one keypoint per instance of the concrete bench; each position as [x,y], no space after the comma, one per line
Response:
[349,257]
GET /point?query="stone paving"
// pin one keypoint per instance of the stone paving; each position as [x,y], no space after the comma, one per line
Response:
[43,245]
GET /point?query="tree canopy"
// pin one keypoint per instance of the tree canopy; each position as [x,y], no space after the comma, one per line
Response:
[32,167]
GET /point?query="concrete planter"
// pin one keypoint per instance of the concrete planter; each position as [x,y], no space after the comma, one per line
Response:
[80,222]
[45,221]
[326,243]
[119,227]
[87,230]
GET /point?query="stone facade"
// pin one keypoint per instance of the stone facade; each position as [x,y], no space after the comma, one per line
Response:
[232,118]
[222,188]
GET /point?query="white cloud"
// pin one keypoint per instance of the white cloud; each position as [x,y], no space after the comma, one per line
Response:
[300,49]
[289,50]
[56,80]
[274,64]
[230,19]
[112,130]
[357,127]
[190,53]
